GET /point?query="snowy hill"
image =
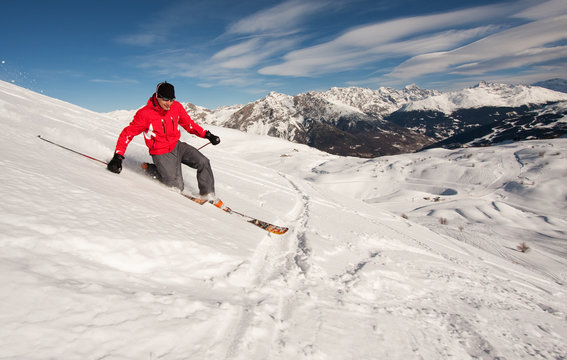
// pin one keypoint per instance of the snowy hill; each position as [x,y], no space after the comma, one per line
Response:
[486,95]
[401,257]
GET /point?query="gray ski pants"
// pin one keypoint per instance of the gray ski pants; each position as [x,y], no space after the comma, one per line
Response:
[169,167]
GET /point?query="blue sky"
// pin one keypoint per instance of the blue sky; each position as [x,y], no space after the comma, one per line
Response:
[108,55]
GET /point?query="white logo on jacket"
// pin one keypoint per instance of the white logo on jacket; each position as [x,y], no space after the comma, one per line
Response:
[149,133]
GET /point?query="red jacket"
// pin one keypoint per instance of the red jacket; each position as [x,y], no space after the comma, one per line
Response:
[160,127]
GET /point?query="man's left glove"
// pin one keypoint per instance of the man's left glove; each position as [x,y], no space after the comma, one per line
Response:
[115,165]
[215,140]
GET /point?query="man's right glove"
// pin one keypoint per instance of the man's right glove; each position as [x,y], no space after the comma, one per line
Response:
[115,165]
[215,140]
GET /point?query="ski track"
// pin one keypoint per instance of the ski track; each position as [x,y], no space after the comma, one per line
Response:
[258,327]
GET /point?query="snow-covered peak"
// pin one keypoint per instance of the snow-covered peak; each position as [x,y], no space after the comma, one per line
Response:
[189,107]
[486,94]
[275,96]
[378,103]
[220,115]
[412,87]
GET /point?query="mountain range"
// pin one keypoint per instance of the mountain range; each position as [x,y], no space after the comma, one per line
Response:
[368,123]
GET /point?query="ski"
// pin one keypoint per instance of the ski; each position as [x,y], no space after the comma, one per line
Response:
[274,229]
[195,199]
[151,170]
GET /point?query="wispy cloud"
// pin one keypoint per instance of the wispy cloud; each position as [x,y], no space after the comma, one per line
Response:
[470,41]
[523,45]
[371,43]
[542,10]
[255,40]
[250,53]
[281,18]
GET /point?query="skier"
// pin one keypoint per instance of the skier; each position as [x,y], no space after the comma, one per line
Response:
[159,121]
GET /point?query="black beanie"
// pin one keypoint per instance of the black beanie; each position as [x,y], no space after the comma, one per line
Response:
[165,90]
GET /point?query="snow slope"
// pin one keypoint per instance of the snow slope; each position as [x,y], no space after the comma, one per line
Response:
[95,265]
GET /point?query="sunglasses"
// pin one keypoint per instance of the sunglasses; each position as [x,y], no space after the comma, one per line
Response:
[166,99]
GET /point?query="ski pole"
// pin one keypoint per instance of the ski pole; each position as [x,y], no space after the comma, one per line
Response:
[76,152]
[204,145]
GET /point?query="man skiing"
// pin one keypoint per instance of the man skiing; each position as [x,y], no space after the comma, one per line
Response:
[159,121]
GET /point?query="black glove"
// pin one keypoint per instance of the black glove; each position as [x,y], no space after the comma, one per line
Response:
[215,140]
[115,165]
